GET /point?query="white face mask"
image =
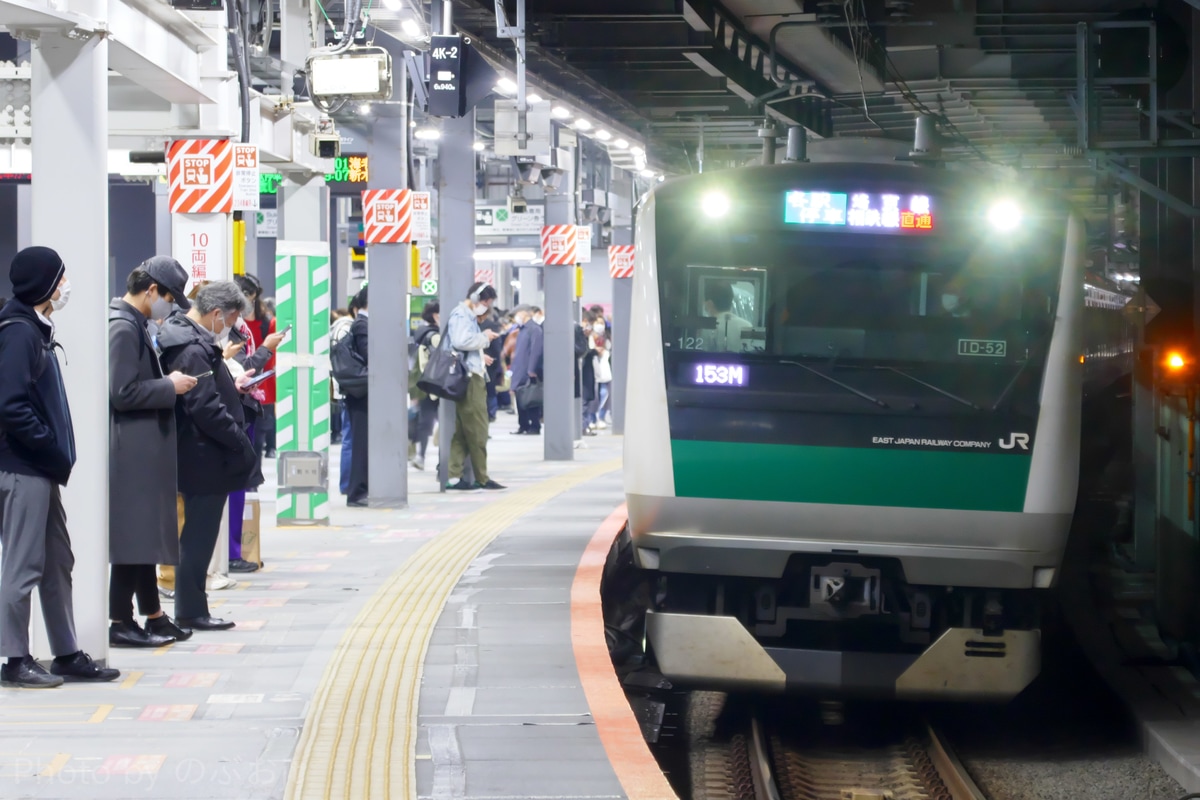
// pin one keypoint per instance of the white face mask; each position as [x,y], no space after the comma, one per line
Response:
[64,295]
[220,335]
[950,302]
[539,319]
[479,309]
[598,328]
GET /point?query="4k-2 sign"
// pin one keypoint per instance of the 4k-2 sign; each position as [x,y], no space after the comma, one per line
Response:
[559,243]
[201,176]
[387,216]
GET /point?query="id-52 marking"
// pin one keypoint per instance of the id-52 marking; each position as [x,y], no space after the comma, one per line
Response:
[993,348]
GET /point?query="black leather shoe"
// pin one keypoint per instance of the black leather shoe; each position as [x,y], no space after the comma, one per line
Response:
[165,626]
[492,486]
[241,565]
[130,634]
[27,674]
[205,623]
[80,667]
[358,504]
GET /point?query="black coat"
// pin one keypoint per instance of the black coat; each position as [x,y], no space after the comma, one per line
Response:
[495,372]
[143,522]
[215,454]
[36,435]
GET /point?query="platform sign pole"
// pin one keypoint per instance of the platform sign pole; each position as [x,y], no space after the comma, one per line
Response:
[620,268]
[302,296]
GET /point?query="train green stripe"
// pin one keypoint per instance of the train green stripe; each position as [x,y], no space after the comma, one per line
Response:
[850,475]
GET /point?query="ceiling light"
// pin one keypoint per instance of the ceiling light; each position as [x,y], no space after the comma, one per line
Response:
[393,5]
[534,98]
[662,178]
[364,108]
[561,113]
[427,134]
[506,85]
[637,151]
[620,144]
[603,135]
[410,27]
[478,146]
[505,254]
[583,124]
[647,173]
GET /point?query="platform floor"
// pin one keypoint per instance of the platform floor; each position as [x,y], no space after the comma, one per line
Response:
[325,688]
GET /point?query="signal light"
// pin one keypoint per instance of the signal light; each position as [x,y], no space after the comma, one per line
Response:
[1175,361]
[1177,370]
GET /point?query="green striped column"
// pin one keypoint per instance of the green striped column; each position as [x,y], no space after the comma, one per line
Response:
[302,299]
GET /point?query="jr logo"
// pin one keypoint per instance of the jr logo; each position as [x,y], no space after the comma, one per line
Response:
[1015,439]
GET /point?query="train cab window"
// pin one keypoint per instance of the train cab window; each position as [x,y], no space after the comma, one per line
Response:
[724,310]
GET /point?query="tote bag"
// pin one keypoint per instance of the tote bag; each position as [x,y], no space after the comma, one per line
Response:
[445,375]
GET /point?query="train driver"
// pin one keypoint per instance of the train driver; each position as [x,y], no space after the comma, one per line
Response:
[718,303]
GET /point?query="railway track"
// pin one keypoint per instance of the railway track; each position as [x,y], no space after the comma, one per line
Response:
[764,762]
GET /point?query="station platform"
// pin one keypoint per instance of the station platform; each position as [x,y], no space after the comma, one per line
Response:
[451,649]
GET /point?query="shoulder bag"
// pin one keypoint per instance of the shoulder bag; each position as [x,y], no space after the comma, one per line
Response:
[445,375]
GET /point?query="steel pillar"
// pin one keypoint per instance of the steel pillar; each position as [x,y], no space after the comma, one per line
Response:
[622,310]
[24,215]
[69,86]
[455,245]
[162,218]
[559,401]
[389,266]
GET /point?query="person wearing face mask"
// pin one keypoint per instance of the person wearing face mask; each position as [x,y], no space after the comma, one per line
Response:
[357,487]
[470,414]
[215,454]
[143,524]
[37,454]
[527,369]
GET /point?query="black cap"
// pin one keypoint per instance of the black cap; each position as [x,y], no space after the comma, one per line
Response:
[170,275]
[35,273]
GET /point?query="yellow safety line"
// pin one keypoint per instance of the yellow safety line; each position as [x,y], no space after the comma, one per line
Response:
[373,680]
[133,678]
[101,713]
[162,651]
[55,766]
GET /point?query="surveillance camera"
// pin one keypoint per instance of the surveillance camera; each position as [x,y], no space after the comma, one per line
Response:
[326,145]
[517,205]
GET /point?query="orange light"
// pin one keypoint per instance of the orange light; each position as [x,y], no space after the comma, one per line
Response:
[1175,361]
[1081,359]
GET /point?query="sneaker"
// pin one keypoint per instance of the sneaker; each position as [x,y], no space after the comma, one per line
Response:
[460,485]
[215,583]
[166,594]
[165,626]
[601,425]
[241,565]
[80,667]
[27,674]
[491,486]
[419,463]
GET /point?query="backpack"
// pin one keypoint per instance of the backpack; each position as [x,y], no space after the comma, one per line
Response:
[348,367]
[41,366]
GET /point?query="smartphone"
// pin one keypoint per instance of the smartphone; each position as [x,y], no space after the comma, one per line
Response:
[202,375]
[257,379]
[286,330]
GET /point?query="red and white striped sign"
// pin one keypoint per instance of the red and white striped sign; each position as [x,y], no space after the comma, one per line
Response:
[487,276]
[201,175]
[559,243]
[620,260]
[425,271]
[387,216]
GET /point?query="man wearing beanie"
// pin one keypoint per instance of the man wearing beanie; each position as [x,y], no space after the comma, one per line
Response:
[37,452]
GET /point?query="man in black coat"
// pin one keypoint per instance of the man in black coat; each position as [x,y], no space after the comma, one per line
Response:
[143,521]
[37,453]
[357,407]
[216,456]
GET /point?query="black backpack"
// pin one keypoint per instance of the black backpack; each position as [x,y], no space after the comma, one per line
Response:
[348,367]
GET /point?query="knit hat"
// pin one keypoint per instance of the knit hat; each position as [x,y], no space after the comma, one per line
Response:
[35,274]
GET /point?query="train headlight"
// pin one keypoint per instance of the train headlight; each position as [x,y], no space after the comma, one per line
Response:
[1005,215]
[715,204]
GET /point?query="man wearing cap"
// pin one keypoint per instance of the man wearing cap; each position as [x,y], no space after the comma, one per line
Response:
[143,524]
[37,453]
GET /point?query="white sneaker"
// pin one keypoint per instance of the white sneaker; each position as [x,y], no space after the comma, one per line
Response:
[601,425]
[418,462]
[215,583]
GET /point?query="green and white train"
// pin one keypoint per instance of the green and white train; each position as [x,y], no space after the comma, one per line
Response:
[853,435]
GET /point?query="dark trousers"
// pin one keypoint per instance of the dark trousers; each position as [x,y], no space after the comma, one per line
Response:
[201,528]
[359,423]
[347,450]
[127,580]
[267,424]
[529,417]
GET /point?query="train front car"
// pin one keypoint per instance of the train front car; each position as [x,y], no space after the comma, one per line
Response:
[853,431]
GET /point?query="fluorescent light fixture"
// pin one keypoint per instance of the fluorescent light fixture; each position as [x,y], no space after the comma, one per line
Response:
[561,113]
[427,134]
[393,5]
[603,135]
[505,254]
[662,178]
[534,98]
[350,75]
[506,85]
[637,151]
[478,146]
[410,27]
[620,144]
[583,124]
[647,173]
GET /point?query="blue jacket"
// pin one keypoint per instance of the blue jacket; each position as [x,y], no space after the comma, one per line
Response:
[36,435]
[465,337]
[528,354]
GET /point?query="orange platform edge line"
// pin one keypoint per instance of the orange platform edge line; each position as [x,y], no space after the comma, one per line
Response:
[636,769]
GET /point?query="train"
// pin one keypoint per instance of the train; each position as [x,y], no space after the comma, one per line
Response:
[853,434]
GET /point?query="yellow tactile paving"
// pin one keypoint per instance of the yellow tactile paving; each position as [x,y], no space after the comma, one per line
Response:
[360,735]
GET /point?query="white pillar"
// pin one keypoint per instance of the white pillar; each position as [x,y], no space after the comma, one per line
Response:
[70,213]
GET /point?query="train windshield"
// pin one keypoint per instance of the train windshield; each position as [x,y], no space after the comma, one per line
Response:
[866,298]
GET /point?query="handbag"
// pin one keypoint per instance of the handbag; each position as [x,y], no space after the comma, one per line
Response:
[445,375]
[529,395]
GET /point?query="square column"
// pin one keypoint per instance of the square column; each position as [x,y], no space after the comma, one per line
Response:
[69,196]
[560,410]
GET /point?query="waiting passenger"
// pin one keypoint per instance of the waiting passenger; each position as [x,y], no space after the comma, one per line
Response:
[471,419]
[216,456]
[727,335]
